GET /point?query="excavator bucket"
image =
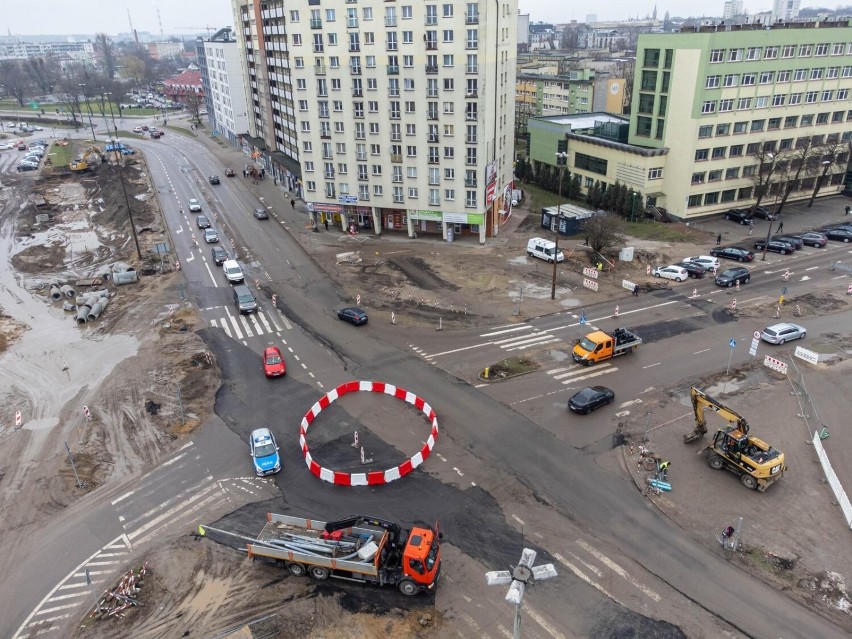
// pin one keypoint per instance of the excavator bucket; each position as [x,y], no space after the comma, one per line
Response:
[694,435]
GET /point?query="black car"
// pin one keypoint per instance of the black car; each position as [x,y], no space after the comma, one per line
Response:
[588,399]
[840,233]
[219,255]
[694,270]
[732,253]
[213,179]
[260,214]
[812,238]
[795,240]
[777,246]
[202,222]
[741,216]
[729,277]
[27,166]
[763,213]
[840,225]
[353,315]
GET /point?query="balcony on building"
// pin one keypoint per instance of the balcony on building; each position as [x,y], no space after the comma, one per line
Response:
[471,18]
[393,69]
[398,199]
[433,137]
[390,21]
[471,93]
[357,93]
[431,45]
[431,115]
[396,158]
[431,68]
[434,160]
[316,23]
[470,116]
[319,69]
[472,68]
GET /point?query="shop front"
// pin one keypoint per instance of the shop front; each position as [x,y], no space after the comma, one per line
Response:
[394,219]
[464,225]
[425,222]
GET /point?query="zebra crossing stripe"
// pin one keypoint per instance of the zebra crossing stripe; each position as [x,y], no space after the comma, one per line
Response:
[236,324]
[589,376]
[263,319]
[518,347]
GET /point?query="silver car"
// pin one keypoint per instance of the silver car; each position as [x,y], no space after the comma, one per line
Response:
[783,332]
[210,236]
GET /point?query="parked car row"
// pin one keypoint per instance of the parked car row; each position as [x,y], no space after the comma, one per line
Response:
[32,160]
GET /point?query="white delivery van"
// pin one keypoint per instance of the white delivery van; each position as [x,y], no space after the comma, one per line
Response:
[543,250]
[232,271]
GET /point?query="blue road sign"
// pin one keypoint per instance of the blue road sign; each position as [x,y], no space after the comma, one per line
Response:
[732,343]
[582,318]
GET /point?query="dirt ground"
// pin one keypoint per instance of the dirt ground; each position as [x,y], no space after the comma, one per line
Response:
[463,285]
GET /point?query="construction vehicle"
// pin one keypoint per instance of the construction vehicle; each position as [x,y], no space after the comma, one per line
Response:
[757,464]
[600,345]
[91,157]
[363,549]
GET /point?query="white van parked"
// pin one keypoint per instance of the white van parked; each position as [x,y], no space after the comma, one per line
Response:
[543,250]
[232,271]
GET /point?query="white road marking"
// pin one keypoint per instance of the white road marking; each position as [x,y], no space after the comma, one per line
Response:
[210,273]
[652,365]
[186,502]
[523,346]
[812,268]
[630,403]
[535,616]
[236,326]
[621,572]
[122,497]
[172,460]
[623,413]
[589,376]
[579,573]
[519,520]
[246,328]
[701,351]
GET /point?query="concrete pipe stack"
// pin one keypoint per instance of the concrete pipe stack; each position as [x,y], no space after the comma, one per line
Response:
[55,292]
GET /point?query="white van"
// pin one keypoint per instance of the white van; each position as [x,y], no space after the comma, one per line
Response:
[233,271]
[543,250]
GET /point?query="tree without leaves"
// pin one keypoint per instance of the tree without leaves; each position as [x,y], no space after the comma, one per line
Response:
[193,102]
[105,47]
[765,164]
[794,162]
[44,73]
[827,158]
[134,67]
[16,81]
[604,232]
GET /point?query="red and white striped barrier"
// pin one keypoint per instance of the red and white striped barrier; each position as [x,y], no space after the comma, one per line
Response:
[849,290]
[775,364]
[616,312]
[786,274]
[274,300]
[19,419]
[734,304]
[648,270]
[358,300]
[738,285]
[177,264]
[374,477]
[194,241]
[87,413]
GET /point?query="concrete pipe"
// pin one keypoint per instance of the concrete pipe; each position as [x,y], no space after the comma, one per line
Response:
[91,300]
[127,277]
[121,267]
[55,293]
[67,291]
[97,309]
[82,314]
[80,300]
[68,307]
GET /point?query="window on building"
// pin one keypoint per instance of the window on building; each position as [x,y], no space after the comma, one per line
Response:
[726,105]
[749,171]
[788,51]
[731,80]
[807,120]
[711,198]
[719,152]
[743,103]
[701,154]
[810,97]
[664,101]
[822,118]
[709,106]
[712,82]
[800,75]
[740,127]
[753,53]
[705,131]
[761,102]
[643,126]
[590,163]
[842,94]
[773,124]
[649,81]
[783,76]
[806,50]
[693,201]
[717,55]
[723,129]
[699,178]
[770,53]
[821,49]
[735,55]
[732,173]
[832,73]
[729,195]
[816,74]
[646,103]
[795,98]
[735,151]
[827,96]
[748,79]
[778,100]
[757,125]
[655,174]
[651,58]
[766,77]
[791,121]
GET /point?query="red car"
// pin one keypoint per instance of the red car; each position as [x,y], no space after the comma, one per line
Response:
[273,363]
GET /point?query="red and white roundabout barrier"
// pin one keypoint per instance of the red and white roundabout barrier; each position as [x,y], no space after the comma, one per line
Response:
[374,477]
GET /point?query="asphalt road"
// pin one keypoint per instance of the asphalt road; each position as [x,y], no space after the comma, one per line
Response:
[590,502]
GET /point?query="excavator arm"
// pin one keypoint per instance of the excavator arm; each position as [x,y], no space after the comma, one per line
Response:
[701,401]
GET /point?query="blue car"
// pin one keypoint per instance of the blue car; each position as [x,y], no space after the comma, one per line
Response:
[264,452]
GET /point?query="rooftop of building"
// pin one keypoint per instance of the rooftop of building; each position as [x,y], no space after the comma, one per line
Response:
[759,26]
[584,120]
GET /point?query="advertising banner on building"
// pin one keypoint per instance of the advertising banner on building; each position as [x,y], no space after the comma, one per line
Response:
[490,182]
[324,207]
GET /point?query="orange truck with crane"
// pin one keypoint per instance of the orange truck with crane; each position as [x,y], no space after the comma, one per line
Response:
[598,346]
[359,548]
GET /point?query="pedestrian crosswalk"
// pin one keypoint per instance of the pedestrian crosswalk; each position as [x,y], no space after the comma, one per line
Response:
[580,373]
[523,336]
[243,326]
[144,516]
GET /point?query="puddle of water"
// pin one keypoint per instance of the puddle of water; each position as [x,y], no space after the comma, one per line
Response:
[55,360]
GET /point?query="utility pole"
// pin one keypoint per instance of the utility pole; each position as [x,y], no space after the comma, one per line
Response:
[561,161]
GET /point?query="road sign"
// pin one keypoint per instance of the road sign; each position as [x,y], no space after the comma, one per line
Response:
[756,334]
[590,284]
[732,343]
[582,318]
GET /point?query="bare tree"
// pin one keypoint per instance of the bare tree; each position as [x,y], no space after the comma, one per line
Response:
[796,161]
[194,102]
[827,158]
[134,67]
[71,90]
[766,161]
[16,81]
[107,50]
[44,73]
[604,232]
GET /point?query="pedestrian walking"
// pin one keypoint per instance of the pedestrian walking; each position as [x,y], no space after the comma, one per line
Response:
[750,229]
[635,290]
[664,470]
[848,209]
[245,173]
[325,221]
[718,239]
[780,226]
[293,203]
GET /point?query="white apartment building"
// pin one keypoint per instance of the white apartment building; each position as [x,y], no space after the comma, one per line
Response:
[785,10]
[223,77]
[399,115]
[732,8]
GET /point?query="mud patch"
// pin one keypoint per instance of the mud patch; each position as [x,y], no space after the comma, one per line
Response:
[808,304]
[420,273]
[10,331]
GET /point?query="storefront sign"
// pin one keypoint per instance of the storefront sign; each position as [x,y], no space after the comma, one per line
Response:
[435,216]
[463,218]
[323,207]
[347,199]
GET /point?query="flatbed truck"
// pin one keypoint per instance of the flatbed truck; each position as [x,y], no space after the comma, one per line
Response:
[598,346]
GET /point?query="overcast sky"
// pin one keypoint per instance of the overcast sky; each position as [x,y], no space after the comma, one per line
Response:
[188,17]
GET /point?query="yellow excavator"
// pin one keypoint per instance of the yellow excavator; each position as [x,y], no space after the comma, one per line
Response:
[91,157]
[757,464]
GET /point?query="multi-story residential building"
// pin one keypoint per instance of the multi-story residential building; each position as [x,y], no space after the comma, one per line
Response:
[224,84]
[724,115]
[542,95]
[732,8]
[785,9]
[164,50]
[21,50]
[397,116]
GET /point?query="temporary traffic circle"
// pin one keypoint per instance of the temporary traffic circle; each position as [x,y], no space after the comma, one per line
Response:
[373,477]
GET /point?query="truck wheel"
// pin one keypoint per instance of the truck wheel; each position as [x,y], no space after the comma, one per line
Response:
[748,481]
[296,569]
[408,587]
[716,462]
[319,573]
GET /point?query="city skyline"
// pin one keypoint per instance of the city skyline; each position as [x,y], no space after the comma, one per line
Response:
[45,17]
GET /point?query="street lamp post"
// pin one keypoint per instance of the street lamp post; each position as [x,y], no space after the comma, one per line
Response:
[633,207]
[561,160]
[766,186]
[91,124]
